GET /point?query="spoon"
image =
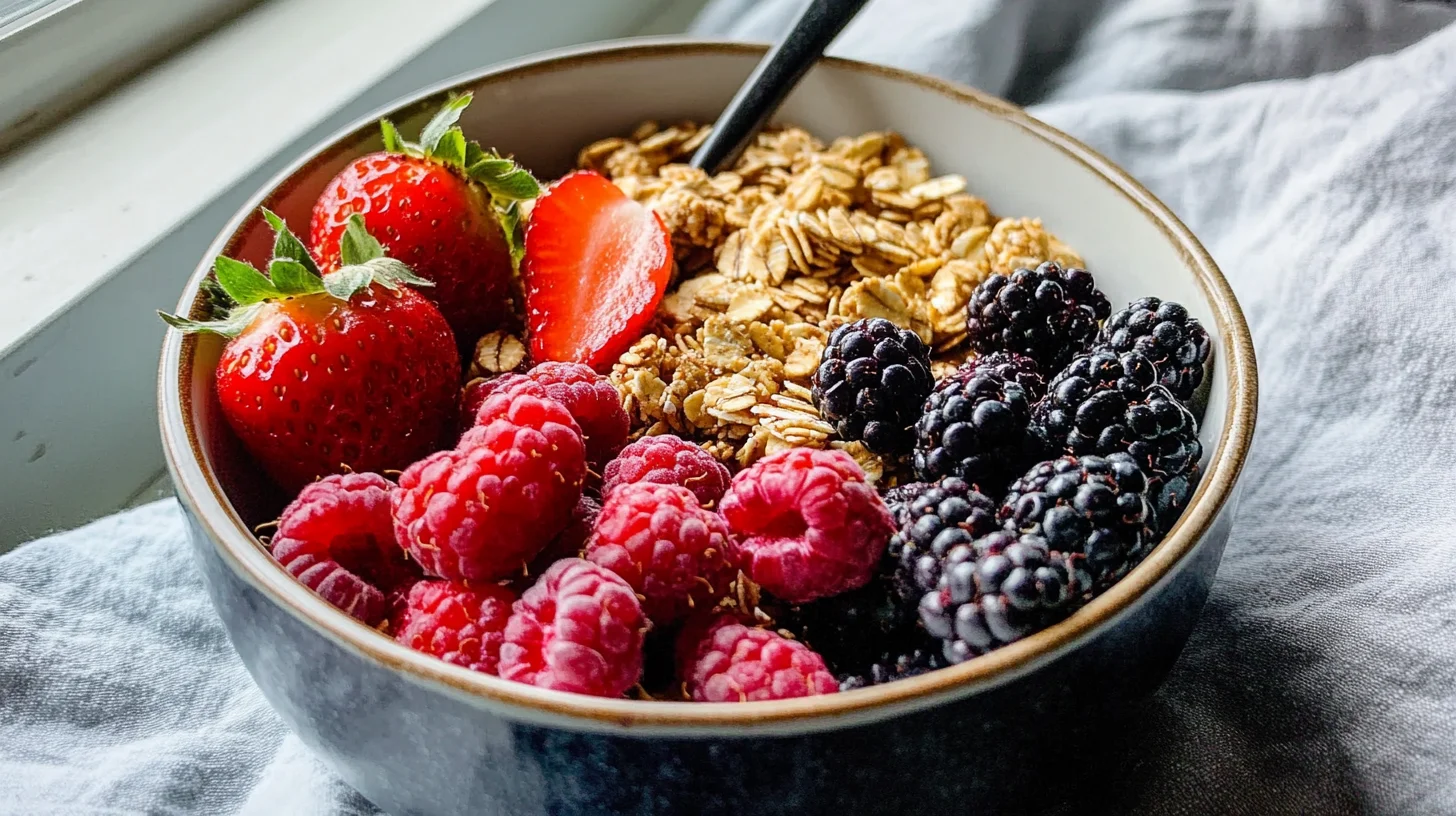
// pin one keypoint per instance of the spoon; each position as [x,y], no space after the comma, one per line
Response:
[777,74]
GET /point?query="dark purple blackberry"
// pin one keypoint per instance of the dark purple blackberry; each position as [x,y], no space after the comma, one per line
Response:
[899,498]
[1089,505]
[974,427]
[949,513]
[1010,366]
[999,589]
[871,381]
[1166,334]
[897,666]
[855,630]
[1049,314]
[1104,402]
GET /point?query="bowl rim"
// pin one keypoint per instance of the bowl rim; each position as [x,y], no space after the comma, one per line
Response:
[197,485]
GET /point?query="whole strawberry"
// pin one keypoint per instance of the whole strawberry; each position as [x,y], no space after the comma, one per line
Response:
[445,207]
[348,371]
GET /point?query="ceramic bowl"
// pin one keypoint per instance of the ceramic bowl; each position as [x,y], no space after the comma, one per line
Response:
[416,735]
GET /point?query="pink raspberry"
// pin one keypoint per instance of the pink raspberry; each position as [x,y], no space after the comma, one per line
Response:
[668,460]
[735,663]
[676,555]
[592,400]
[807,524]
[579,628]
[483,510]
[457,623]
[336,538]
[478,390]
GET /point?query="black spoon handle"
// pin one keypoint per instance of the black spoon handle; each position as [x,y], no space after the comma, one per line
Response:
[776,75]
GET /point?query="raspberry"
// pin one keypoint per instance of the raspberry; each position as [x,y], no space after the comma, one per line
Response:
[734,663]
[459,624]
[675,554]
[592,400]
[668,459]
[478,390]
[808,524]
[481,511]
[336,539]
[579,628]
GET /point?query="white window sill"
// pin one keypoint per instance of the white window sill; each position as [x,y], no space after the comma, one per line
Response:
[103,217]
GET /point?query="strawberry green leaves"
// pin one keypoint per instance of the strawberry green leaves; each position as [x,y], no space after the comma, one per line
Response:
[443,123]
[292,272]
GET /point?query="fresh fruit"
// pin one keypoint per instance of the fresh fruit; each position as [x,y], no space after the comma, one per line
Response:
[459,624]
[870,383]
[1092,505]
[1104,403]
[907,661]
[998,590]
[475,393]
[444,206]
[596,265]
[975,427]
[593,402]
[1048,313]
[571,541]
[1017,368]
[808,526]
[482,511]
[734,663]
[676,555]
[579,628]
[336,539]
[857,630]
[351,371]
[668,459]
[950,513]
[1166,334]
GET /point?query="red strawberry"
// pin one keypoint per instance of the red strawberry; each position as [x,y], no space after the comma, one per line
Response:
[596,265]
[440,207]
[324,374]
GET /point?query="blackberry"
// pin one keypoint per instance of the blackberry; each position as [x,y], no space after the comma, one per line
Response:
[999,589]
[1166,334]
[974,427]
[856,630]
[1093,506]
[1011,366]
[899,498]
[1105,402]
[949,513]
[871,381]
[897,666]
[1049,314]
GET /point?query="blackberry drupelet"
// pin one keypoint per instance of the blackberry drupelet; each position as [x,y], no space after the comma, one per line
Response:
[908,662]
[871,381]
[899,498]
[1049,314]
[1011,366]
[1166,334]
[1089,505]
[999,589]
[974,427]
[946,515]
[1103,403]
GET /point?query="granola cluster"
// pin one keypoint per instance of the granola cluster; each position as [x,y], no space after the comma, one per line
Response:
[797,239]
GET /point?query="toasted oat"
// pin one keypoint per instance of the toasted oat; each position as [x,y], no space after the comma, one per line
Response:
[496,353]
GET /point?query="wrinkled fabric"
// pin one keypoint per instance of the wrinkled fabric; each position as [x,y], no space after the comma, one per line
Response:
[1311,145]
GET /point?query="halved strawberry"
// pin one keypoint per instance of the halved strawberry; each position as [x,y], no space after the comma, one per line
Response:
[596,266]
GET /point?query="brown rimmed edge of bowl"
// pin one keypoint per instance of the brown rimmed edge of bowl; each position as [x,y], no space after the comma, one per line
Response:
[197,484]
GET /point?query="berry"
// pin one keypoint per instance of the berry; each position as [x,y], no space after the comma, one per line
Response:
[735,663]
[1048,314]
[1104,402]
[1166,334]
[579,628]
[895,666]
[319,372]
[1090,505]
[336,539]
[593,402]
[571,541]
[898,499]
[946,515]
[596,265]
[435,213]
[668,459]
[480,512]
[856,630]
[999,589]
[1017,368]
[676,555]
[459,624]
[478,390]
[974,426]
[808,525]
[871,381]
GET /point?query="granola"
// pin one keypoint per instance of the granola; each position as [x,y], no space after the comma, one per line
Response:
[797,239]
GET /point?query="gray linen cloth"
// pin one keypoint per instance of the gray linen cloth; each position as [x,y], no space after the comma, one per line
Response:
[1311,144]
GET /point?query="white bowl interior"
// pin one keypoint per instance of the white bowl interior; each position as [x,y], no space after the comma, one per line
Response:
[545,114]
